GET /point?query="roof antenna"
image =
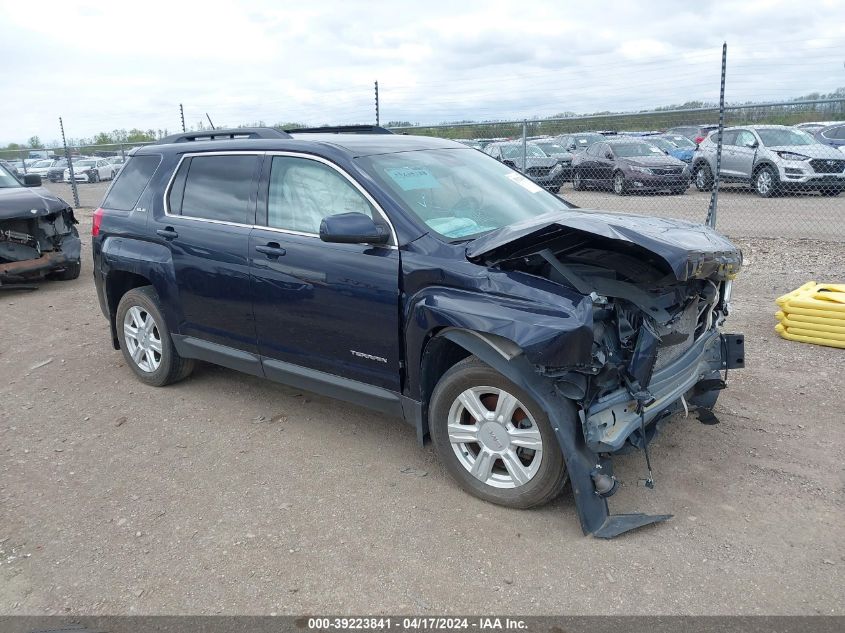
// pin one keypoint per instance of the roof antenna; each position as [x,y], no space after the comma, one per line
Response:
[209,120]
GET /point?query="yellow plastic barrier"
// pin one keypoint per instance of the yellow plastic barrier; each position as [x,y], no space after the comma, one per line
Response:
[813,313]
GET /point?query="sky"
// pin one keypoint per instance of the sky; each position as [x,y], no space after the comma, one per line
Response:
[108,65]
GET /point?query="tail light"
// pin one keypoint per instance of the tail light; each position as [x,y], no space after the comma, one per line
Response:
[698,139]
[95,225]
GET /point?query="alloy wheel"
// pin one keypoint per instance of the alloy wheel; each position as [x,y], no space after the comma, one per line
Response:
[494,437]
[143,340]
[765,182]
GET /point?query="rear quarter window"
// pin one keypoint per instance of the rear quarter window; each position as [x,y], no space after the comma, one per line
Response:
[131,182]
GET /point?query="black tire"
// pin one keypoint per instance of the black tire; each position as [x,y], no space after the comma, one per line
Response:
[702,177]
[619,184]
[95,176]
[70,272]
[551,474]
[678,191]
[830,191]
[577,180]
[172,367]
[766,183]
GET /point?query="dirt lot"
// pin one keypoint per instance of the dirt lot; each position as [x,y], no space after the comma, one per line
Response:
[229,494]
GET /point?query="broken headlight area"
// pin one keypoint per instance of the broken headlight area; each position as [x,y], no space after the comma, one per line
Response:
[34,245]
[656,345]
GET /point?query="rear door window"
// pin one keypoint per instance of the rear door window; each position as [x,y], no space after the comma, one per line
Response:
[220,188]
[131,182]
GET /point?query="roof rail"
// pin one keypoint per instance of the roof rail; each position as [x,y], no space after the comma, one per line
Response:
[341,129]
[229,133]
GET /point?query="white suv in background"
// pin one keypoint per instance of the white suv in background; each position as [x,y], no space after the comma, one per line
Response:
[771,159]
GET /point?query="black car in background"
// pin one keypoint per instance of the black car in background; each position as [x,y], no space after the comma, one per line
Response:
[57,171]
[546,171]
[629,164]
[552,147]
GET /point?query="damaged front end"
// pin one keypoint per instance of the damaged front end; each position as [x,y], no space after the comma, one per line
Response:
[38,241]
[659,290]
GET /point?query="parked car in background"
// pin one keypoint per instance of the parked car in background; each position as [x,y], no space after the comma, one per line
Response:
[674,145]
[41,168]
[579,142]
[833,135]
[695,133]
[771,159]
[629,164]
[117,163]
[552,147]
[10,168]
[37,232]
[18,167]
[90,170]
[544,170]
[57,171]
[814,126]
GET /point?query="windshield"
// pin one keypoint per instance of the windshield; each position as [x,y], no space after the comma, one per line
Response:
[775,137]
[515,151]
[628,150]
[84,163]
[681,141]
[43,163]
[552,148]
[457,193]
[583,141]
[663,144]
[7,179]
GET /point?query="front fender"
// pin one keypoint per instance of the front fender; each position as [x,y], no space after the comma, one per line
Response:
[549,336]
[581,462]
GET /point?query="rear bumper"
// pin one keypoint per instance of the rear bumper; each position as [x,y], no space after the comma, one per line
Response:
[613,418]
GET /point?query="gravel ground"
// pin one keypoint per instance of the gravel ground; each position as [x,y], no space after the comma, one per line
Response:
[230,494]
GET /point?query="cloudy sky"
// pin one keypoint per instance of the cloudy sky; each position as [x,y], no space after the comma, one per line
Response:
[108,64]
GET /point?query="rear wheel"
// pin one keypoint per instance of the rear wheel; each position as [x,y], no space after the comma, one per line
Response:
[145,340]
[493,437]
[703,177]
[95,176]
[766,182]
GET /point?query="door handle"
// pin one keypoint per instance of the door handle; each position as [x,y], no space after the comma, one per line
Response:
[272,250]
[167,233]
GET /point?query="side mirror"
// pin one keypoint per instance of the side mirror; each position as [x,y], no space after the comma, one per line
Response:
[751,144]
[32,180]
[609,155]
[352,228]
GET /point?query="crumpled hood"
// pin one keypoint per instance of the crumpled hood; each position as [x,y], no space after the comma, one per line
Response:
[18,202]
[689,249]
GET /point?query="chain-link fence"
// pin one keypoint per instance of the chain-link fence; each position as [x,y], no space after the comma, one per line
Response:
[781,168]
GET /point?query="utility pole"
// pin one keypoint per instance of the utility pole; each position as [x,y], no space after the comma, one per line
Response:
[714,196]
[377,114]
[182,115]
[69,166]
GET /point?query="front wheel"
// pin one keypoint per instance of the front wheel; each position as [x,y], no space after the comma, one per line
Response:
[703,177]
[95,176]
[620,186]
[766,182]
[145,340]
[494,438]
[577,181]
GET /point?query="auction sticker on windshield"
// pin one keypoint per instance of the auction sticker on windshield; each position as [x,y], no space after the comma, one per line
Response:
[410,178]
[524,182]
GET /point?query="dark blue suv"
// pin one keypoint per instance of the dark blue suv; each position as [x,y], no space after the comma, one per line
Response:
[530,340]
